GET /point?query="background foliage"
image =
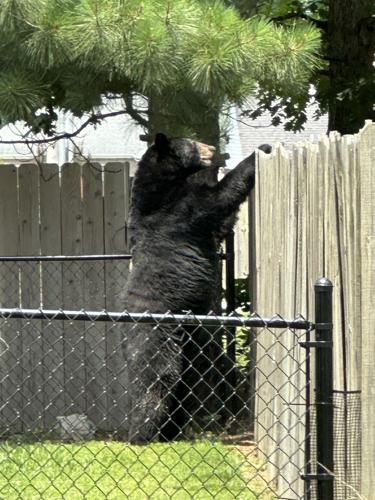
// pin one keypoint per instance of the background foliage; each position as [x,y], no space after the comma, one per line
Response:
[68,54]
[344,82]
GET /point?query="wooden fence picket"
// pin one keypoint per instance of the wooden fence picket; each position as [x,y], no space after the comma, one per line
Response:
[31,332]
[93,294]
[52,294]
[73,291]
[366,155]
[116,212]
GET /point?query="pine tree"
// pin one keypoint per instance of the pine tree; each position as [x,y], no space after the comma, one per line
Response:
[344,82]
[187,58]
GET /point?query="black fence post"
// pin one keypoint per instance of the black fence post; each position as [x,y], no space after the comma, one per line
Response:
[324,388]
[230,293]
[230,297]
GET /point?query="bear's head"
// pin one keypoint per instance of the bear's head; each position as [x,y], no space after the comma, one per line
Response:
[176,158]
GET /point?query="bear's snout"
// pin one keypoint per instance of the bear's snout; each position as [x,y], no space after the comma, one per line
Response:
[206,153]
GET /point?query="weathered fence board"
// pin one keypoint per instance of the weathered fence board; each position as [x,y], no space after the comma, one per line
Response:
[332,258]
[52,294]
[93,293]
[279,420]
[366,160]
[32,344]
[116,213]
[73,291]
[241,243]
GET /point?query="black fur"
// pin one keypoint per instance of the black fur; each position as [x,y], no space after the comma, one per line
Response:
[175,226]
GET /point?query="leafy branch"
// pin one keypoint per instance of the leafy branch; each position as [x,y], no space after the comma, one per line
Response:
[94,118]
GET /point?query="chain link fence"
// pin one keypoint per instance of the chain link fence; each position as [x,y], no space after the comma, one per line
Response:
[96,403]
[168,424]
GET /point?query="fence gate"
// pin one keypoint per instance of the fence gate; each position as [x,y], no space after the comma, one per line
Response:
[250,406]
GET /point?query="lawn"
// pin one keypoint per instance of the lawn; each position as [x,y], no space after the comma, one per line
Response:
[112,470]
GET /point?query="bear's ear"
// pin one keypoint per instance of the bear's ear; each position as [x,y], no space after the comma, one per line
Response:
[161,143]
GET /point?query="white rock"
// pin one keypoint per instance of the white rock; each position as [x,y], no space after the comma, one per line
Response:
[75,427]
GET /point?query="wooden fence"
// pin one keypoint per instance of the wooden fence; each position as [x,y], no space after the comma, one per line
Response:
[313,215]
[49,369]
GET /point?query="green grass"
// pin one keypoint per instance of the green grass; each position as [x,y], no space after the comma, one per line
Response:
[111,470]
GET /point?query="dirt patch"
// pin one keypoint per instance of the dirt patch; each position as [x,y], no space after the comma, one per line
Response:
[253,469]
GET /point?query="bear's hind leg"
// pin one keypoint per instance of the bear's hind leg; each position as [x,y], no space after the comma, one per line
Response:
[154,359]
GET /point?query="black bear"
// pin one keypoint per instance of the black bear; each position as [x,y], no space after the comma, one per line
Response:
[176,223]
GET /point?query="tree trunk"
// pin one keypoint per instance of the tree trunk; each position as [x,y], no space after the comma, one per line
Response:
[350,38]
[184,114]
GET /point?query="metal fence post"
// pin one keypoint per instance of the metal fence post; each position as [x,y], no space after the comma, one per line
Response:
[324,388]
[230,292]
[230,296]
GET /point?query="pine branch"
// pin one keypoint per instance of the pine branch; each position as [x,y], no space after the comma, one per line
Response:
[133,113]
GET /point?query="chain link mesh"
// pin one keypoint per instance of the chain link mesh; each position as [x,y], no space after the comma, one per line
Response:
[100,405]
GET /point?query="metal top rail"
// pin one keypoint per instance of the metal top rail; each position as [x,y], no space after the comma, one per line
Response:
[44,258]
[64,258]
[298,323]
